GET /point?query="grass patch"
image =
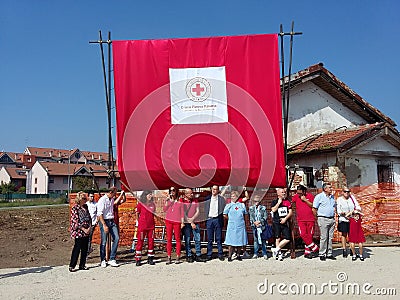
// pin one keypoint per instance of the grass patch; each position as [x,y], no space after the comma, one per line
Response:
[32,202]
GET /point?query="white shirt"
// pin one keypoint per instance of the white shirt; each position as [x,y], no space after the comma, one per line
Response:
[92,207]
[213,207]
[346,205]
[105,207]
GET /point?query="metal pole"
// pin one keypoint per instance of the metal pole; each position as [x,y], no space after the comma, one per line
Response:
[281,35]
[110,144]
[69,175]
[285,116]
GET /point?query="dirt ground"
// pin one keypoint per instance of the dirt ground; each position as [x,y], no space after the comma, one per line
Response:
[31,237]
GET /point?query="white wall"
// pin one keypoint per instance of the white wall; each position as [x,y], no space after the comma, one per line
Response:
[4,177]
[362,162]
[41,186]
[312,110]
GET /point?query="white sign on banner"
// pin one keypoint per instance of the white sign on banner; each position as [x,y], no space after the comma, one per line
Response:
[198,95]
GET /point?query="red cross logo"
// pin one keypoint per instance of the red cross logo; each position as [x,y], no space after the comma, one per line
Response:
[236,208]
[198,90]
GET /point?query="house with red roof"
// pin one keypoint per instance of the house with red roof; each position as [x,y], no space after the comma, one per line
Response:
[16,176]
[334,135]
[52,177]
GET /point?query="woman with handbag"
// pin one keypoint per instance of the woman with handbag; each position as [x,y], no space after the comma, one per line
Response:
[80,224]
[262,231]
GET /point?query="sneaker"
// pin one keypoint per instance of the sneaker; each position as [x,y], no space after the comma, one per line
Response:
[331,257]
[246,255]
[354,258]
[169,261]
[274,252]
[229,259]
[309,256]
[265,256]
[113,263]
[362,258]
[280,256]
[255,256]
[239,258]
[103,264]
[189,259]
[322,258]
[221,258]
[234,255]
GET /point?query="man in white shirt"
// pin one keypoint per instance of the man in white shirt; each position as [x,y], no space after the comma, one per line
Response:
[92,208]
[214,208]
[105,216]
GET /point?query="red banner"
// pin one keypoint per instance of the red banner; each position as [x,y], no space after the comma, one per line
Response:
[197,112]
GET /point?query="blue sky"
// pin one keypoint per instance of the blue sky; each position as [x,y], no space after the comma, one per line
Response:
[51,83]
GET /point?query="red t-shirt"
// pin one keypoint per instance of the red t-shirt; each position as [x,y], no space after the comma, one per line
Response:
[190,209]
[146,215]
[174,211]
[303,211]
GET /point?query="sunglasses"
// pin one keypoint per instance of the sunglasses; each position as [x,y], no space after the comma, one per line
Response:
[346,191]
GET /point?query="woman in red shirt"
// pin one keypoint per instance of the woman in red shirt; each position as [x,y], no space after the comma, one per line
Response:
[145,216]
[173,222]
[80,224]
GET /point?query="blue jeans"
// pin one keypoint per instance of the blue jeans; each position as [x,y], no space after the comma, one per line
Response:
[113,230]
[257,245]
[187,230]
[214,227]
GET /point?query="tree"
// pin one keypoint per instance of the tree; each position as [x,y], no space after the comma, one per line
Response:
[22,190]
[7,188]
[82,183]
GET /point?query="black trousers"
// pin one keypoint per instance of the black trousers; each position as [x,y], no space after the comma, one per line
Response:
[81,245]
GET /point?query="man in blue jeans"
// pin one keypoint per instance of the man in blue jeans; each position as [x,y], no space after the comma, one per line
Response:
[191,211]
[213,209]
[105,215]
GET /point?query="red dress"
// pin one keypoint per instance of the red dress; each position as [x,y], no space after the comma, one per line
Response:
[356,234]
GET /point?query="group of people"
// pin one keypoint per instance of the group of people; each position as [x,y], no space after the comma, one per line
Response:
[182,216]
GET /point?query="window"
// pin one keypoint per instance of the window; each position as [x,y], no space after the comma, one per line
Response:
[308,173]
[65,180]
[51,180]
[385,172]
[35,180]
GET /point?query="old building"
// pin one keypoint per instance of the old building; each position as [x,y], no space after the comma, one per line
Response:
[335,135]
